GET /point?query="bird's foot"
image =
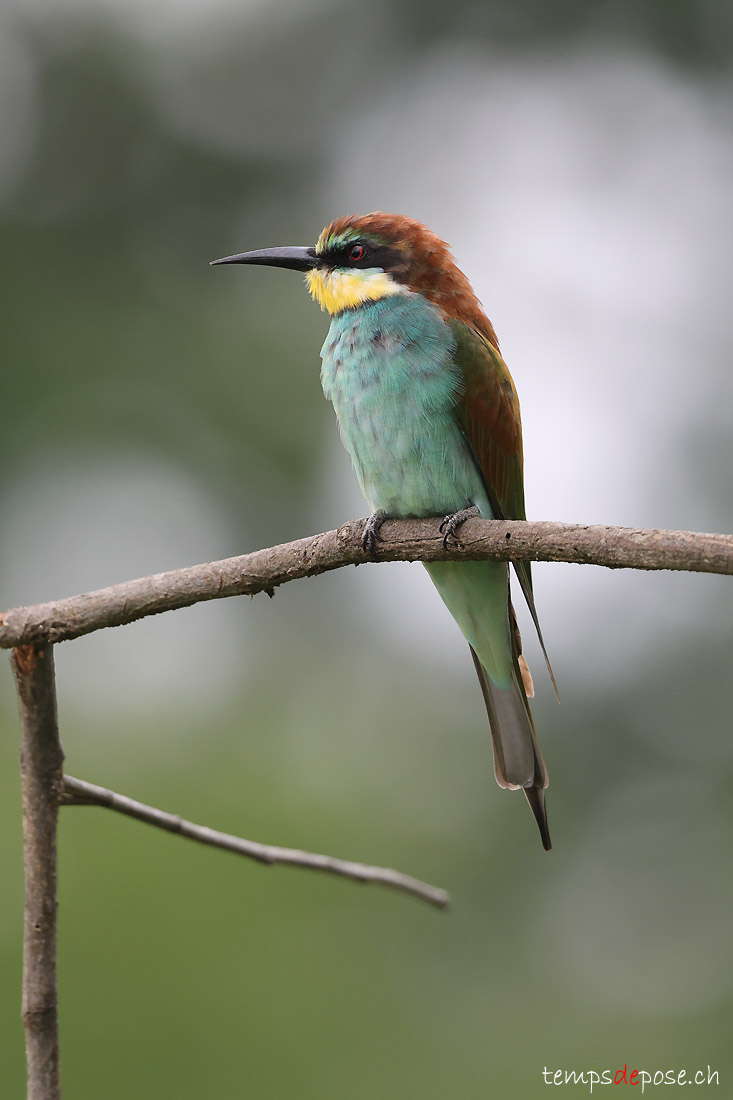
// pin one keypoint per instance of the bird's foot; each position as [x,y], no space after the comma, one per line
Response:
[451,523]
[370,535]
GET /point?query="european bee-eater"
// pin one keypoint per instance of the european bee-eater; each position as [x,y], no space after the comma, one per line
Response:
[428,411]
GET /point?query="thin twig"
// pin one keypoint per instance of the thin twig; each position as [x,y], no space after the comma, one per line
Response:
[41,770]
[401,540]
[80,793]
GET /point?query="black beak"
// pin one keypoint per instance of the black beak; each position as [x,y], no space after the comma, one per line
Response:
[298,259]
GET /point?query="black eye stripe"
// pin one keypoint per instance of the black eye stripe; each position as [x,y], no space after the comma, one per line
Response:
[341,257]
[373,255]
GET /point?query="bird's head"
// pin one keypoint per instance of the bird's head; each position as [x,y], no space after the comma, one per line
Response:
[364,257]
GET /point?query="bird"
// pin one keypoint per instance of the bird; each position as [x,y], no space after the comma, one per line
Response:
[429,414]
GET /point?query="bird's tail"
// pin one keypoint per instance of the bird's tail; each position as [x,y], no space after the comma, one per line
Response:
[477,595]
[518,761]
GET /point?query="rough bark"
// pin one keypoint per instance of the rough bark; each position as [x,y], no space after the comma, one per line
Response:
[41,772]
[400,540]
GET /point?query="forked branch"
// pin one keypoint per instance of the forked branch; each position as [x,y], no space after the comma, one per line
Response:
[30,631]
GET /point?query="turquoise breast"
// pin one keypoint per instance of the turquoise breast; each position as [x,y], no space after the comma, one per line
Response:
[389,371]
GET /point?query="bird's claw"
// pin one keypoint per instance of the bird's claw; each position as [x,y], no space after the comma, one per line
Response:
[370,535]
[451,523]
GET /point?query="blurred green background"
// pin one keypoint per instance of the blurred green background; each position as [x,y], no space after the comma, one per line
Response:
[157,412]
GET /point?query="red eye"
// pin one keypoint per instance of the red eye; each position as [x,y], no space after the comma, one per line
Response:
[357,252]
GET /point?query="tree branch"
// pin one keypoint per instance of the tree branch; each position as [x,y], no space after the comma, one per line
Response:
[401,540]
[77,792]
[41,759]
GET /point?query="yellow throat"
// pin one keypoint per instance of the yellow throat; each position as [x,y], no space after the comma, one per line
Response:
[340,289]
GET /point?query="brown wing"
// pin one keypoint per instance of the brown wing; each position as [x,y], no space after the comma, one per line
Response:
[488,414]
